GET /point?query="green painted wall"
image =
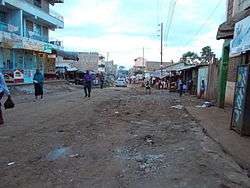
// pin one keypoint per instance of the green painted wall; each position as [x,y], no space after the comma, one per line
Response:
[223,73]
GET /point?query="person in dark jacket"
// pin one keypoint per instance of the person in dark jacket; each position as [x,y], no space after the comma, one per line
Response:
[3,90]
[38,81]
[87,84]
[101,80]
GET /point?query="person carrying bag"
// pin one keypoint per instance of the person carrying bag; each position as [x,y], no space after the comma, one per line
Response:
[4,90]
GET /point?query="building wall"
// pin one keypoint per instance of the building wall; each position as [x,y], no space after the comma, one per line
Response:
[240,5]
[231,77]
[88,61]
[202,75]
[213,76]
[44,4]
[53,19]
[153,65]
[230,4]
[229,97]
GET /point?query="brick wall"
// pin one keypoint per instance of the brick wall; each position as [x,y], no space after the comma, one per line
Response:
[232,68]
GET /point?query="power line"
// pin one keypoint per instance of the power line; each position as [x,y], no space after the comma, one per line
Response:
[204,24]
[170,20]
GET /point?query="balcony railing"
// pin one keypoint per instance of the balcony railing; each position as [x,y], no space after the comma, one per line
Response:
[35,36]
[8,28]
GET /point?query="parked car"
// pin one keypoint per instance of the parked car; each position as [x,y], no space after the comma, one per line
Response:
[121,82]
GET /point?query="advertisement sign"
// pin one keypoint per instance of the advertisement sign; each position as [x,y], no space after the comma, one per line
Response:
[241,41]
[17,42]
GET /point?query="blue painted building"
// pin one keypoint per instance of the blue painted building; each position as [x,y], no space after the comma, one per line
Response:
[24,35]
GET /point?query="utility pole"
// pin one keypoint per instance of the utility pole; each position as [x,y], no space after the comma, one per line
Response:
[107,56]
[161,46]
[143,57]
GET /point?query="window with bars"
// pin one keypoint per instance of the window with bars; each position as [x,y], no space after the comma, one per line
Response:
[3,17]
[29,25]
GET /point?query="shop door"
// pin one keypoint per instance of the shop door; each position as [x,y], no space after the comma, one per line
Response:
[240,112]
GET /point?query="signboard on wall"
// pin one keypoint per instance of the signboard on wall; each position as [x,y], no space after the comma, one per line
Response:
[241,41]
[17,42]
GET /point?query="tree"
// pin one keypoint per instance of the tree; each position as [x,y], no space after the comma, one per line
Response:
[191,55]
[206,54]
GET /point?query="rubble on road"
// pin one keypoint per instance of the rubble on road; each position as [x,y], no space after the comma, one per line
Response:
[179,107]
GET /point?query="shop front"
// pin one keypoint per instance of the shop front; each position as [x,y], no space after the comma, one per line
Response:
[24,57]
[240,51]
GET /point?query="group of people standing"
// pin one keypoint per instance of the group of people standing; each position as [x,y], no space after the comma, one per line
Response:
[38,81]
[179,85]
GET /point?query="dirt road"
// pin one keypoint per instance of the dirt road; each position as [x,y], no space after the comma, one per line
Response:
[118,138]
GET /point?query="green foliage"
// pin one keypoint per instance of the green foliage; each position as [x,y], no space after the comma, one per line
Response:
[206,54]
[191,55]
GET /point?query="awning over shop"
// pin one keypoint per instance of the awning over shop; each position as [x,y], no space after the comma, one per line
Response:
[226,30]
[180,67]
[67,55]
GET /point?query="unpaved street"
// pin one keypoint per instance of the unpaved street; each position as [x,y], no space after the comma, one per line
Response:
[118,138]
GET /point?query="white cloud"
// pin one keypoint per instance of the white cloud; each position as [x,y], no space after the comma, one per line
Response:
[118,26]
[101,12]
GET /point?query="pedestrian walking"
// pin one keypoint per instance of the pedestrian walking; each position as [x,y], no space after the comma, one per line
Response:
[38,81]
[180,86]
[101,80]
[87,84]
[202,89]
[190,87]
[3,90]
[148,88]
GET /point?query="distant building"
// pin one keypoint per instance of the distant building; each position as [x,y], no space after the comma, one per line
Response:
[24,36]
[143,65]
[155,65]
[88,61]
[110,68]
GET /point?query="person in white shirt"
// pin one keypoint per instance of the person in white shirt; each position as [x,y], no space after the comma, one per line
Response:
[3,90]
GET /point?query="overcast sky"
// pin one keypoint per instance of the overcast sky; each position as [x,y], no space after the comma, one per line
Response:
[124,27]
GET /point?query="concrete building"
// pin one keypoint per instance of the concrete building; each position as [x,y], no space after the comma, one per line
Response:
[88,61]
[24,35]
[235,69]
[155,65]
[236,22]
[142,65]
[110,68]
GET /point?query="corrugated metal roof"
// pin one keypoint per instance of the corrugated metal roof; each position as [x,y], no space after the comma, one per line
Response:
[67,55]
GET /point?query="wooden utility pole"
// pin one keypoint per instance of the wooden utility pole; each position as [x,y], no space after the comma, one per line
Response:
[107,56]
[143,57]
[161,46]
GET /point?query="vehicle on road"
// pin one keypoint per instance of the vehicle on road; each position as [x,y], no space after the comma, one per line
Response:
[121,82]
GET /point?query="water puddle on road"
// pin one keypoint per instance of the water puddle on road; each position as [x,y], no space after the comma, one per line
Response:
[58,153]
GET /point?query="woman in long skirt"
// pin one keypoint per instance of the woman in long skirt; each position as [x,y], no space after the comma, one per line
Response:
[38,84]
